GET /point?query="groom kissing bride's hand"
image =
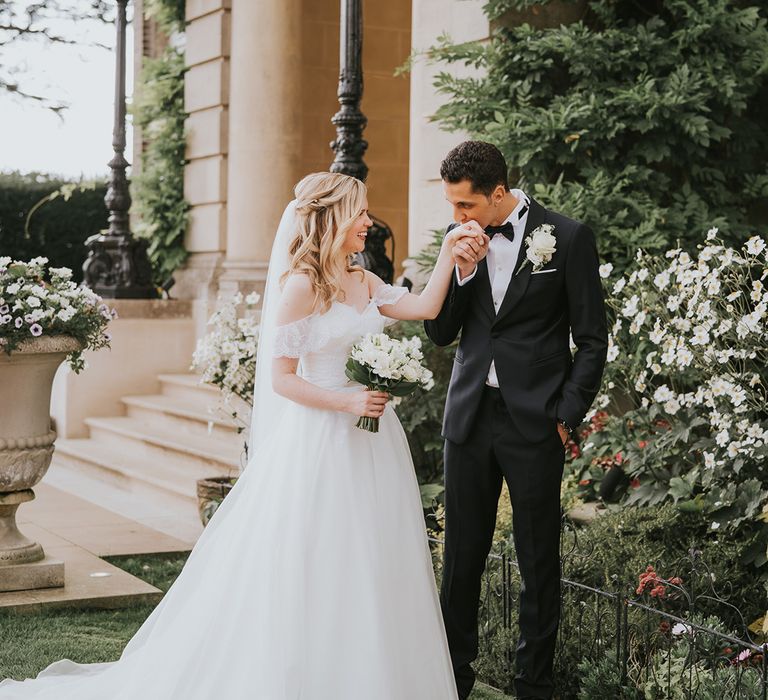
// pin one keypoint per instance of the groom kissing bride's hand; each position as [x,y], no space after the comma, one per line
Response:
[470,248]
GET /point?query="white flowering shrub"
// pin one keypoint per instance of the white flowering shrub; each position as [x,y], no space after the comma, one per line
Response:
[39,301]
[226,357]
[689,348]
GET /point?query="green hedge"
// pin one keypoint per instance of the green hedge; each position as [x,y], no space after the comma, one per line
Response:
[57,228]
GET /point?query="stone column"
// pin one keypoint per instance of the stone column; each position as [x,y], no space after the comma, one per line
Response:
[264,134]
[206,99]
[463,21]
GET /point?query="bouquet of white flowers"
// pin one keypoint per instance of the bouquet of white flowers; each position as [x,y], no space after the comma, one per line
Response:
[38,300]
[385,364]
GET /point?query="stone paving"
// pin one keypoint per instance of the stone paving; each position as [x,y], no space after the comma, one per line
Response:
[79,533]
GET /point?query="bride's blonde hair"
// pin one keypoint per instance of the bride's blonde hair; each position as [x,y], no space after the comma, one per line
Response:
[327,205]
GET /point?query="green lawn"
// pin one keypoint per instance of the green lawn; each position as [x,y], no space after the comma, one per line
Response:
[31,641]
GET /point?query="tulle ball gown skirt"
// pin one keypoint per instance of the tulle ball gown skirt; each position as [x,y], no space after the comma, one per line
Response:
[313,581]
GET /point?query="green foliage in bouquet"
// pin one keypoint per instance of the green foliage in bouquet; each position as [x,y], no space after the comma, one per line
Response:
[158,190]
[645,120]
[36,300]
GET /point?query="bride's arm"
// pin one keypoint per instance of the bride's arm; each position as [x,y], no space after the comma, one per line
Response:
[296,303]
[427,304]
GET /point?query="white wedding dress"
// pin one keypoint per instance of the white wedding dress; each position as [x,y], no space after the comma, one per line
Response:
[313,580]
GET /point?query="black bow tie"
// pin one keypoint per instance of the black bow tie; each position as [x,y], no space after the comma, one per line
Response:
[507,229]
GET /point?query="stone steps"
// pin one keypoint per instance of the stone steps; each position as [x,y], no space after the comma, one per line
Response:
[157,444]
[184,415]
[146,463]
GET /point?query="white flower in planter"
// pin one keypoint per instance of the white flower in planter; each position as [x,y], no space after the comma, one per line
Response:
[32,307]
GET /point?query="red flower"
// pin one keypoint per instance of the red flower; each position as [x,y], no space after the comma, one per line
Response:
[619,458]
[585,482]
[635,483]
[642,443]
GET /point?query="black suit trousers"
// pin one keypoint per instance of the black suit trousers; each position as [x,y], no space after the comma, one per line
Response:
[474,469]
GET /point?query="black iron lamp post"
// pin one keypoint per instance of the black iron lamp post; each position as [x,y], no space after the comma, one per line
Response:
[349,144]
[117,266]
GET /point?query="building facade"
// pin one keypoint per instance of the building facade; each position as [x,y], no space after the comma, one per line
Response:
[261,89]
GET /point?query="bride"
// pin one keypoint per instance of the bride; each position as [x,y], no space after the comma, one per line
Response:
[313,579]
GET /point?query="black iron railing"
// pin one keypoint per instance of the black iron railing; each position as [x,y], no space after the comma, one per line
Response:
[683,642]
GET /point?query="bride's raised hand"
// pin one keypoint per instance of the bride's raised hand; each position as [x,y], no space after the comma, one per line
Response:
[367,403]
[467,243]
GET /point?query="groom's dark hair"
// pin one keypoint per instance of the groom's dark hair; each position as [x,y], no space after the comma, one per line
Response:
[479,162]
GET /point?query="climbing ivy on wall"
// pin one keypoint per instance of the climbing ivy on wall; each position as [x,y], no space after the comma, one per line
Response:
[158,189]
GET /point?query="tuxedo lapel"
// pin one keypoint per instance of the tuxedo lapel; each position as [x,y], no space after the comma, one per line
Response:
[519,282]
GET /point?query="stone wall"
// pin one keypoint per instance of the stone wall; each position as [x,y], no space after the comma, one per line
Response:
[462,20]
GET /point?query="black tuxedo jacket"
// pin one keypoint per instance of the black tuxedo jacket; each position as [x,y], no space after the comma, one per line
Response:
[529,337]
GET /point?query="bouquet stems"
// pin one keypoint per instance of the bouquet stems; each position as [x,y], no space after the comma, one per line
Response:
[369,423]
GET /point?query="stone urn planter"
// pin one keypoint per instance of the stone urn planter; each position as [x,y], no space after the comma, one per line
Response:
[26,448]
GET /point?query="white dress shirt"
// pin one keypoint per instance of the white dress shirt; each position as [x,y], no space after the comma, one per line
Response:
[501,260]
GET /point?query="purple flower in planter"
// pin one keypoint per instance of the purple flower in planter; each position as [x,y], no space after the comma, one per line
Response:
[18,322]
[4,309]
[36,329]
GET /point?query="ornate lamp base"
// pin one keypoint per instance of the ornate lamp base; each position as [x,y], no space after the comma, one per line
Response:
[117,267]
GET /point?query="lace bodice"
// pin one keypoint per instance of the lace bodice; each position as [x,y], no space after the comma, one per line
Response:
[322,341]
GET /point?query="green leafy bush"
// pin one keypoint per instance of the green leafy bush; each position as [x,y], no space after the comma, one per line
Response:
[602,679]
[617,547]
[45,215]
[648,121]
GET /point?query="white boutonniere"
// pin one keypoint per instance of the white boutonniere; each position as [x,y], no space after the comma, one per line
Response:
[540,247]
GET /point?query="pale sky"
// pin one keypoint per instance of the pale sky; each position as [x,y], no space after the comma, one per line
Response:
[80,142]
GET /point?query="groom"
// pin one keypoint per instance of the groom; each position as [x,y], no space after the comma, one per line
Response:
[515,394]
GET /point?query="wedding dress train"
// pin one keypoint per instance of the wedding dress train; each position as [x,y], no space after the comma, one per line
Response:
[312,581]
